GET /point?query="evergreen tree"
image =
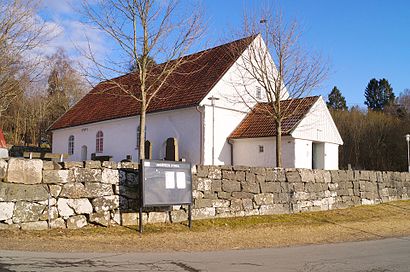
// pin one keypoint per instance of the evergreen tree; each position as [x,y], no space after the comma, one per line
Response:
[336,100]
[378,94]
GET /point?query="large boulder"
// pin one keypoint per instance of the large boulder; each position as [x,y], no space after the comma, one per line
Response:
[92,164]
[95,189]
[58,223]
[6,210]
[51,165]
[27,212]
[231,186]
[110,176]
[3,169]
[157,217]
[58,176]
[130,219]
[55,190]
[76,222]
[74,190]
[178,216]
[24,171]
[203,213]
[274,209]
[87,175]
[40,225]
[204,184]
[80,206]
[64,209]
[16,192]
[106,203]
[9,226]
[72,164]
[102,219]
[263,199]
[89,190]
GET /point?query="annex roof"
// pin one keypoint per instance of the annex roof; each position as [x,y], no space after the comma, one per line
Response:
[258,123]
[185,87]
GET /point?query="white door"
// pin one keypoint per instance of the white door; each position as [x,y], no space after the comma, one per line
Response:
[84,153]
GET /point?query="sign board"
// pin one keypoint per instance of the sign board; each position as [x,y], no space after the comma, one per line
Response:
[166,183]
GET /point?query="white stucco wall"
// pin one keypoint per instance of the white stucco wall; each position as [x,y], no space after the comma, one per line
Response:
[226,121]
[182,124]
[246,152]
[296,153]
[119,138]
[120,135]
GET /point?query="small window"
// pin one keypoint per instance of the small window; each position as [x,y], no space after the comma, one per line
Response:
[258,94]
[99,142]
[71,145]
[261,149]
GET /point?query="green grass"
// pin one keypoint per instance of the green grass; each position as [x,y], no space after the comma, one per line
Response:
[354,214]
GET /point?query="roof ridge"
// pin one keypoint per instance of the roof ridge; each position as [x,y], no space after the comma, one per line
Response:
[312,96]
[251,37]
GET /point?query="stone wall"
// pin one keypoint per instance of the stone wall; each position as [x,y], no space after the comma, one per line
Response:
[241,191]
[36,194]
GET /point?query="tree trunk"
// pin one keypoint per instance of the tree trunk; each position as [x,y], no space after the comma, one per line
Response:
[278,143]
[142,128]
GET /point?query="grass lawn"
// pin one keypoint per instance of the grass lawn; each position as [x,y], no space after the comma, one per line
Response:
[358,223]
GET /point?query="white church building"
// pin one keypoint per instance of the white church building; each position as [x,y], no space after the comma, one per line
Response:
[210,126]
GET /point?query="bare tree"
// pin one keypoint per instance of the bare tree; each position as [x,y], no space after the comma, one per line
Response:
[20,34]
[144,31]
[280,66]
[404,100]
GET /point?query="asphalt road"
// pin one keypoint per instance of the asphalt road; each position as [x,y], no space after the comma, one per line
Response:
[370,256]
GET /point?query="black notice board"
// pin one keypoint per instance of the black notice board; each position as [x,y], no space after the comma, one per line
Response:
[166,183]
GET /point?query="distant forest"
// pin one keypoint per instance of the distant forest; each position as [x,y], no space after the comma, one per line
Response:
[374,137]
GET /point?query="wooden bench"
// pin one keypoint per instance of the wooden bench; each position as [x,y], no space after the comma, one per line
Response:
[47,156]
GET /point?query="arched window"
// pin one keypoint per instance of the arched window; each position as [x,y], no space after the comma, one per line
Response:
[99,142]
[71,145]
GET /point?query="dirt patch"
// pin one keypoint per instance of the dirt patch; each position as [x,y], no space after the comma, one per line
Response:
[358,223]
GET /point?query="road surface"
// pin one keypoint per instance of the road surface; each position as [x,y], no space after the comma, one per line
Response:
[385,255]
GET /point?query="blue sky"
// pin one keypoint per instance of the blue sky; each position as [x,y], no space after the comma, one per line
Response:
[362,39]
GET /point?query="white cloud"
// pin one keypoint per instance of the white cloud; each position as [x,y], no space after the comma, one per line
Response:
[63,22]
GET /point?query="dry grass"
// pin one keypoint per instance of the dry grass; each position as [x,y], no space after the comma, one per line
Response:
[359,223]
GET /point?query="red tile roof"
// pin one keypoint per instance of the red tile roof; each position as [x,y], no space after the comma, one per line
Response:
[258,123]
[2,140]
[185,87]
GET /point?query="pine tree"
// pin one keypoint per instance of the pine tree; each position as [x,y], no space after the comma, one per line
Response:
[378,94]
[336,100]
